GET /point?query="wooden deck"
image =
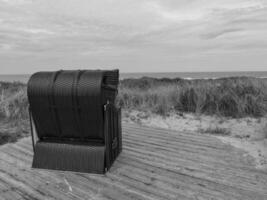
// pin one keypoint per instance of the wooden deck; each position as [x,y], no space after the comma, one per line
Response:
[154,164]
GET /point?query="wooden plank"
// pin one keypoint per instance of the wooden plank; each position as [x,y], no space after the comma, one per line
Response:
[187,159]
[209,174]
[91,182]
[50,182]
[155,164]
[182,179]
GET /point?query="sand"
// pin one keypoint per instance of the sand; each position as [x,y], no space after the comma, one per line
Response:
[248,134]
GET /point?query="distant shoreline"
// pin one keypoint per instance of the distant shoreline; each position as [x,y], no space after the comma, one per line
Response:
[169,75]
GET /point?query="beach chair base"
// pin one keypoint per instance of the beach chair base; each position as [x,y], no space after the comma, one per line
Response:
[69,157]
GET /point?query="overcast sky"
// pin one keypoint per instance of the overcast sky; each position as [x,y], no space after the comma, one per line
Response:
[133,35]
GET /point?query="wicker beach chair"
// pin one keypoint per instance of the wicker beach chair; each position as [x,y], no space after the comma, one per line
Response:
[75,124]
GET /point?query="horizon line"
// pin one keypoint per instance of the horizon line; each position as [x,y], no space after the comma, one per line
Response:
[158,72]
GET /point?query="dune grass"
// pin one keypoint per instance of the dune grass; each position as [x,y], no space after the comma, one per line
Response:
[13,112]
[230,97]
[216,131]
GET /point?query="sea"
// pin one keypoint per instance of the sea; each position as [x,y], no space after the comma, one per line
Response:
[185,75]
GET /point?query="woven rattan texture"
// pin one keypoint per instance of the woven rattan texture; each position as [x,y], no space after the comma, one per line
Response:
[69,157]
[70,103]
[77,124]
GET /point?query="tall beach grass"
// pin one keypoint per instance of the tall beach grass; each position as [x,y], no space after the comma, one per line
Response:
[231,97]
[13,112]
[13,100]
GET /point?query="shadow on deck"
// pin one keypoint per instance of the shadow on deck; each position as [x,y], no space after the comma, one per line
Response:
[154,164]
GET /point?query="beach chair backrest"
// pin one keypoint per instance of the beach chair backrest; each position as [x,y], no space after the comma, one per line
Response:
[69,104]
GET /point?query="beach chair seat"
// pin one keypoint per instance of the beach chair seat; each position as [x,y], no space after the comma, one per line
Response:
[78,126]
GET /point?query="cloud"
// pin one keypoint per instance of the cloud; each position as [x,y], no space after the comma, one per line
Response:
[222,32]
[38,31]
[145,30]
[5,47]
[15,2]
[173,15]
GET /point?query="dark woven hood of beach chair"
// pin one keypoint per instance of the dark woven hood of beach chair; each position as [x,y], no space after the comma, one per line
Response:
[77,125]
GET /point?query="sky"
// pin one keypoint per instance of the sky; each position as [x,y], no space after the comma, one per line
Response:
[133,35]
